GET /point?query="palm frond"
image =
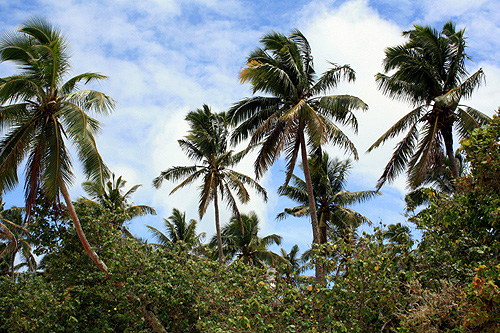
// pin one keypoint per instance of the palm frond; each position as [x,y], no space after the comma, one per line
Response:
[175,173]
[408,121]
[72,83]
[159,236]
[331,78]
[91,100]
[400,158]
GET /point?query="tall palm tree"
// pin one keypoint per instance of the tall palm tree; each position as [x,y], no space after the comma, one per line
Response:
[179,232]
[40,114]
[329,179]
[15,238]
[111,197]
[430,74]
[283,68]
[207,142]
[248,247]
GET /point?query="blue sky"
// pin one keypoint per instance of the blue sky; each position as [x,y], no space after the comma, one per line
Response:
[165,58]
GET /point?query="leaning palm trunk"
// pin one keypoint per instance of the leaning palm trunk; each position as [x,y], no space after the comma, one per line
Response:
[312,204]
[81,235]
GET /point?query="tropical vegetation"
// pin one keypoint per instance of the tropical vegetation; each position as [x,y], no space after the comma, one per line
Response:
[15,240]
[247,246]
[380,279]
[329,179]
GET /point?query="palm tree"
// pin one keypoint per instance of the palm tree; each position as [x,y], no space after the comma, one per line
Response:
[207,143]
[284,69]
[112,198]
[15,237]
[248,247]
[398,234]
[429,74]
[40,113]
[179,232]
[293,266]
[329,179]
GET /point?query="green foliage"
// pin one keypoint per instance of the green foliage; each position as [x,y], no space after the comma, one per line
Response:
[369,281]
[483,152]
[483,300]
[184,293]
[456,263]
[470,220]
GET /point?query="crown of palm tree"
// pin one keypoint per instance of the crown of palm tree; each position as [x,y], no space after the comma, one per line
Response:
[293,268]
[248,247]
[437,182]
[40,112]
[429,73]
[329,179]
[111,197]
[179,232]
[284,69]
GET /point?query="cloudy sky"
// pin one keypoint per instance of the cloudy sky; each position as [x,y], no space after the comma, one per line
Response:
[166,57]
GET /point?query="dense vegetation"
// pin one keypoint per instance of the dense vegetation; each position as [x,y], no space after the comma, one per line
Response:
[448,281]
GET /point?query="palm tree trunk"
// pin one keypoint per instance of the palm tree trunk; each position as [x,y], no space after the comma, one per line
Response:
[322,238]
[81,235]
[217,227]
[312,204]
[12,265]
[322,230]
[448,142]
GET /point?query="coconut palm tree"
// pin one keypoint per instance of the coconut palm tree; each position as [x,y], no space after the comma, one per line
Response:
[207,142]
[428,71]
[179,232]
[40,114]
[296,109]
[329,179]
[15,238]
[291,271]
[398,234]
[248,247]
[111,197]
